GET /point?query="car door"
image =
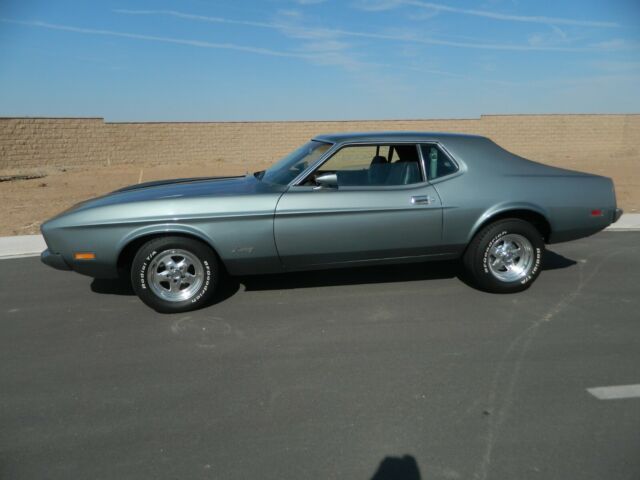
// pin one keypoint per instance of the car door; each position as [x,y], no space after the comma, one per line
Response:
[373,212]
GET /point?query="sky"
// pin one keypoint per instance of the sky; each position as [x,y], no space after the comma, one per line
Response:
[207,60]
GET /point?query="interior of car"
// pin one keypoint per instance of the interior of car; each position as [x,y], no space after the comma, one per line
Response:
[373,165]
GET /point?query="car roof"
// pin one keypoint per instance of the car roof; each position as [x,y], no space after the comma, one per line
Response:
[391,137]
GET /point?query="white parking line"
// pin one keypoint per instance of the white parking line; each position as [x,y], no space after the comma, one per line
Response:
[617,392]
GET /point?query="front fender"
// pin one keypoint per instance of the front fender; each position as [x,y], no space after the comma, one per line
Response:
[244,245]
[164,229]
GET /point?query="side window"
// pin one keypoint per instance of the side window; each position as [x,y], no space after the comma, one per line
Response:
[437,164]
[373,165]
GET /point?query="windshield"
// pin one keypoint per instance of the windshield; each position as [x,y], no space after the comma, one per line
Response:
[293,164]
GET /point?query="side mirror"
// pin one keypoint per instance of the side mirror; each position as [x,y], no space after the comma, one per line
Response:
[327,180]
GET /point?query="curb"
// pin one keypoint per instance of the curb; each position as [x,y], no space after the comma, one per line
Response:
[21,246]
[628,222]
[32,245]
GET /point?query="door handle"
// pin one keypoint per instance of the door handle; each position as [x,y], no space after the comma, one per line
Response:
[421,200]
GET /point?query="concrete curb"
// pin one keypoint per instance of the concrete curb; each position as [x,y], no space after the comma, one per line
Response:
[33,245]
[628,221]
[21,246]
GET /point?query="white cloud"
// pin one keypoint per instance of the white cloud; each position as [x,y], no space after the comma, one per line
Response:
[374,5]
[190,16]
[325,46]
[154,38]
[309,2]
[423,15]
[613,44]
[297,30]
[377,5]
[616,66]
[555,36]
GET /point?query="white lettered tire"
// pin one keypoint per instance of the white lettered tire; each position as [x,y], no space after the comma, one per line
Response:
[175,274]
[505,256]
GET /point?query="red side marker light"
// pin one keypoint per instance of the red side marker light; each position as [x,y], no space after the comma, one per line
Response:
[596,213]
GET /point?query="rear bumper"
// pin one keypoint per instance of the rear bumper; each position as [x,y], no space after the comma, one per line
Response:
[617,214]
[54,260]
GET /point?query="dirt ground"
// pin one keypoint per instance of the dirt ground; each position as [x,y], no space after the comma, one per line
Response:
[27,203]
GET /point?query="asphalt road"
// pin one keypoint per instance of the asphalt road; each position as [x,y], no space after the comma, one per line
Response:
[389,373]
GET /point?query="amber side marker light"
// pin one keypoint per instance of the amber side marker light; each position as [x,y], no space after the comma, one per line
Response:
[84,256]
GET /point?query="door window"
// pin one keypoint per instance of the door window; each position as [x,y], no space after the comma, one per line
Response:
[372,165]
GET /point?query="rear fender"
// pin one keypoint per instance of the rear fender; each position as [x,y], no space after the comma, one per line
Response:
[504,208]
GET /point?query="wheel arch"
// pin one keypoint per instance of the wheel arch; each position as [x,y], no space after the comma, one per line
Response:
[530,213]
[132,242]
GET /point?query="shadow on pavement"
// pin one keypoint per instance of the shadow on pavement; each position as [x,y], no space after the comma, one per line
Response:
[554,261]
[122,286]
[378,274]
[112,286]
[398,468]
[333,277]
[352,276]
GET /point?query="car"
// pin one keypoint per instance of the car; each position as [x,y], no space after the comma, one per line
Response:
[340,200]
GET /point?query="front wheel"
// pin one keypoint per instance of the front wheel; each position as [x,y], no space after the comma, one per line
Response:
[505,256]
[175,274]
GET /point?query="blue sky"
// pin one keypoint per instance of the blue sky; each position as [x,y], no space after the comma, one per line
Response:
[199,60]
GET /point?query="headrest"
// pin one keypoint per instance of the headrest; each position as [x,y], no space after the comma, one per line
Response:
[378,159]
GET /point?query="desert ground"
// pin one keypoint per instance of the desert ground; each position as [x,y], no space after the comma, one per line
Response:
[27,203]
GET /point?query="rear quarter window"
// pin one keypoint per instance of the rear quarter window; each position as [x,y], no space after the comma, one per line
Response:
[437,163]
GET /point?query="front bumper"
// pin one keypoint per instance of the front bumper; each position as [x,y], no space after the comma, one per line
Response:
[617,214]
[54,260]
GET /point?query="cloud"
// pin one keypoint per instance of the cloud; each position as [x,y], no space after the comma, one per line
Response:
[199,18]
[616,66]
[409,38]
[323,47]
[326,47]
[613,44]
[299,31]
[377,5]
[423,15]
[153,38]
[553,37]
[318,53]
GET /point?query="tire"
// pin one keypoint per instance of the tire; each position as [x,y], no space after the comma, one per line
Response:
[191,278]
[493,262]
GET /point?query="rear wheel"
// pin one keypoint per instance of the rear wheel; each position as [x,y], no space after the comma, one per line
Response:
[175,274]
[505,256]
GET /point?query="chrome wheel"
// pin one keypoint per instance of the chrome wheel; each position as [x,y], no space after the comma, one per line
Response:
[511,258]
[175,275]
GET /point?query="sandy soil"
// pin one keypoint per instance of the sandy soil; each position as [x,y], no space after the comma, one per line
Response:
[26,203]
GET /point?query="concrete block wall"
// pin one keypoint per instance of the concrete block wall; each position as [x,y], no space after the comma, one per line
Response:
[32,144]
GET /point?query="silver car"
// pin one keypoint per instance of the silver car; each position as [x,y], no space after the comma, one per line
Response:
[339,200]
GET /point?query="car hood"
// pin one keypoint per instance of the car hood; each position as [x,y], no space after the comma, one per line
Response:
[180,188]
[173,181]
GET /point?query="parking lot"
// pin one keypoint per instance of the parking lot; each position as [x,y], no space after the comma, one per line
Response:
[327,375]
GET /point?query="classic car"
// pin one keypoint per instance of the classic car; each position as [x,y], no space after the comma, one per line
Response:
[339,200]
